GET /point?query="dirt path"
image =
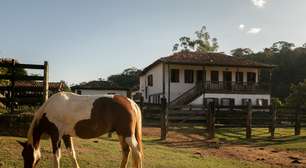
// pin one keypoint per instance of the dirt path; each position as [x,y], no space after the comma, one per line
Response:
[203,148]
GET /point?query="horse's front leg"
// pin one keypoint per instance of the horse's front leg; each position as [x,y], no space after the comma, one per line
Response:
[70,147]
[56,149]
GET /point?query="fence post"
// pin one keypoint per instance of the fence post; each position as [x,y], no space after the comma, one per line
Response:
[297,127]
[273,124]
[249,121]
[164,119]
[211,120]
[45,82]
[13,79]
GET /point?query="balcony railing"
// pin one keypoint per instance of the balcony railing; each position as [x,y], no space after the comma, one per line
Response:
[237,86]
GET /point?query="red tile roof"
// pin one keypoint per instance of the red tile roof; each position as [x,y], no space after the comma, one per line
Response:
[207,59]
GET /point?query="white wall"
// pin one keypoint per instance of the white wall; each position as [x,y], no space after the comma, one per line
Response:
[176,89]
[233,70]
[103,92]
[157,72]
[238,97]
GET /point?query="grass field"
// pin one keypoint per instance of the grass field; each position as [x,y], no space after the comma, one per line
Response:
[284,137]
[105,153]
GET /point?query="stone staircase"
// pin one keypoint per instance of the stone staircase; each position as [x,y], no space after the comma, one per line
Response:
[188,96]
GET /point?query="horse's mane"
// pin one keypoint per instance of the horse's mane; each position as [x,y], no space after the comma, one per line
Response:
[35,121]
[37,116]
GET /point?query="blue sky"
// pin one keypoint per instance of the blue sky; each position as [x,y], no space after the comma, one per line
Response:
[89,39]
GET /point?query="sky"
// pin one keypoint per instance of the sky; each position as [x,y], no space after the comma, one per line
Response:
[84,40]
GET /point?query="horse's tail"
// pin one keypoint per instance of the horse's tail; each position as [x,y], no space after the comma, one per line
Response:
[138,131]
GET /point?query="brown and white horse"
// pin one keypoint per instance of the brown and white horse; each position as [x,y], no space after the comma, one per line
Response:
[66,115]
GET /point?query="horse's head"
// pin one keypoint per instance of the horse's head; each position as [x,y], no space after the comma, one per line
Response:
[30,155]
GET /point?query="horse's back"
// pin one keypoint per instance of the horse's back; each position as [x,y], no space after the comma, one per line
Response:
[90,116]
[66,109]
[108,114]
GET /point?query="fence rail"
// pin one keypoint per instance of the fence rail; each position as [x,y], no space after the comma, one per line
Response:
[214,116]
[11,99]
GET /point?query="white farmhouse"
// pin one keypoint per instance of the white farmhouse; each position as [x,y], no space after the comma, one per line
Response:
[197,78]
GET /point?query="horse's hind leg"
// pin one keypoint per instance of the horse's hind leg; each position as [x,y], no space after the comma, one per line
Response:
[125,152]
[70,147]
[136,154]
[56,149]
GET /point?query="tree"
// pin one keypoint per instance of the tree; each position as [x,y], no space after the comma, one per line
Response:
[203,42]
[127,79]
[6,71]
[297,95]
[290,66]
[66,87]
[282,46]
[241,52]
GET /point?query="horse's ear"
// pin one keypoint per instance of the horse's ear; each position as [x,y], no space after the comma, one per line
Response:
[22,143]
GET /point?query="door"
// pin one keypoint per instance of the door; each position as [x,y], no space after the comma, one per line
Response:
[199,76]
[227,80]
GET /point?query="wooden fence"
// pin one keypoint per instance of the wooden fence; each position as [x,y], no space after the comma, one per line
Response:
[215,116]
[12,77]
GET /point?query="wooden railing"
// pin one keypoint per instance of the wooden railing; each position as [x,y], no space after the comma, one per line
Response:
[209,86]
[237,86]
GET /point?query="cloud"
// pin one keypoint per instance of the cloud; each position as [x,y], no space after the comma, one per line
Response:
[254,30]
[241,26]
[259,3]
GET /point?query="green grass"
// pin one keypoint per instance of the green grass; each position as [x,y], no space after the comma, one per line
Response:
[106,154]
[20,109]
[284,137]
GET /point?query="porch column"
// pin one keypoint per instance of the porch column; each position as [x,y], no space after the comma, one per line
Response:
[203,83]
[258,75]
[169,80]
[270,79]
[164,84]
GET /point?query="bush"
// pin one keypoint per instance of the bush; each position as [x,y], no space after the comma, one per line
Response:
[297,95]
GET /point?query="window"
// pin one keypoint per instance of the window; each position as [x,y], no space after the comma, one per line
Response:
[209,100]
[246,101]
[188,76]
[262,102]
[175,75]
[214,76]
[146,92]
[251,77]
[239,77]
[199,75]
[227,102]
[150,80]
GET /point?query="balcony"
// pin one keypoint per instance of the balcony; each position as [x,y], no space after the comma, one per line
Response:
[236,87]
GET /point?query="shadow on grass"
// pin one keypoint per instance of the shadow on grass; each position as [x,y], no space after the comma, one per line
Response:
[196,136]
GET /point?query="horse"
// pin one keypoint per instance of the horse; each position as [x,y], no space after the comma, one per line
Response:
[65,115]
